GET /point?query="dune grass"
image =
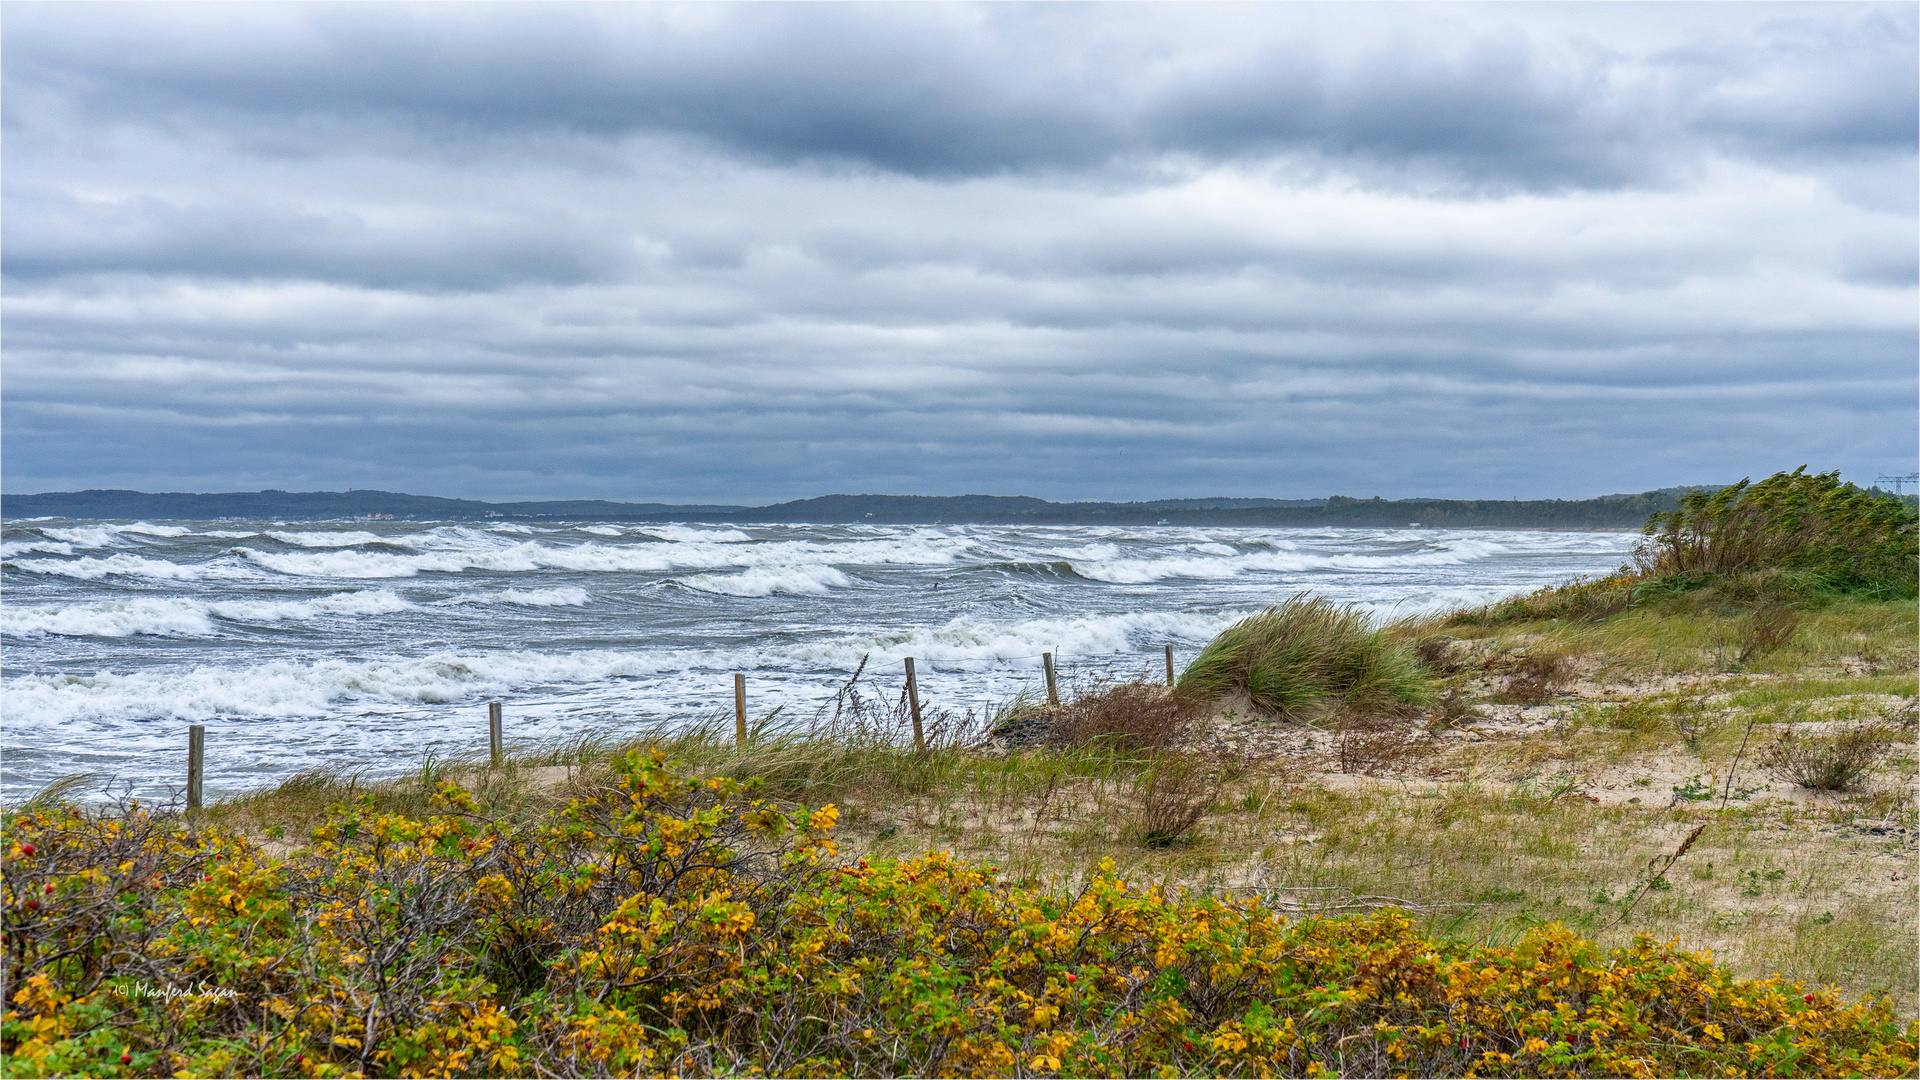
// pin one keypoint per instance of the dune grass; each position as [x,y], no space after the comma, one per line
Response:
[1305,656]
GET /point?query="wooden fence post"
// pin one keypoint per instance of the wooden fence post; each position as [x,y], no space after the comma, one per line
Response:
[1169,665]
[496,750]
[739,709]
[196,765]
[913,702]
[1053,688]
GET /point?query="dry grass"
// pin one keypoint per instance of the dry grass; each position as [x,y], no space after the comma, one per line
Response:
[1369,744]
[1129,718]
[1836,762]
[1538,676]
[1176,793]
[1767,630]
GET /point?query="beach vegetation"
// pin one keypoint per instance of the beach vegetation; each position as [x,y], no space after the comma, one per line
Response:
[669,923]
[1792,533]
[1129,717]
[1774,550]
[1830,761]
[1306,656]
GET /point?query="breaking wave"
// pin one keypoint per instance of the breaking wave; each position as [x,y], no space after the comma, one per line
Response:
[766,581]
[23,547]
[1223,567]
[609,558]
[183,617]
[565,597]
[328,539]
[681,534]
[99,536]
[93,568]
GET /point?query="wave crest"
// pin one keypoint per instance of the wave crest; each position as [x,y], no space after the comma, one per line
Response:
[766,581]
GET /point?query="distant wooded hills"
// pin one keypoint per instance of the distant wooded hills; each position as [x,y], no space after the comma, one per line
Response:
[1606,512]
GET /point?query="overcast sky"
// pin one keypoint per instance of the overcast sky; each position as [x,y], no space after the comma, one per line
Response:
[1080,251]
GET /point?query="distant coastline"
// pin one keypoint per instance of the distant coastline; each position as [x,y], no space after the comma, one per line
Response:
[1604,512]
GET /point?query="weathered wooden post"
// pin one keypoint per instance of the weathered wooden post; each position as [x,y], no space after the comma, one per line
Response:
[493,733]
[1169,665]
[913,702]
[196,765]
[1053,688]
[739,709]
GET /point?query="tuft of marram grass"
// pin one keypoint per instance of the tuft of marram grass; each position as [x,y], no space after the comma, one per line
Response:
[1307,655]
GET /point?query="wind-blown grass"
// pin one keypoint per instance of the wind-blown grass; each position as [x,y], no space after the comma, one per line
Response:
[1789,540]
[1797,533]
[1308,655]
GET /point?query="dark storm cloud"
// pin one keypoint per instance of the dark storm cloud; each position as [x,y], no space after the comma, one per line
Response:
[761,251]
[935,90]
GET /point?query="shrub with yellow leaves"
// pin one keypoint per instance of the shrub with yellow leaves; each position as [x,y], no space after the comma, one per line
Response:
[672,925]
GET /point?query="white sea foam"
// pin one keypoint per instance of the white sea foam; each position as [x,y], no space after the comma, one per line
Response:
[1220,568]
[118,618]
[183,616]
[23,547]
[565,597]
[1089,552]
[603,530]
[93,568]
[327,539]
[292,688]
[97,536]
[362,602]
[614,558]
[454,538]
[1143,571]
[684,535]
[967,640]
[768,580]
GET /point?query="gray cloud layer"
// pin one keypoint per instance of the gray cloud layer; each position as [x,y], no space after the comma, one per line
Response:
[766,251]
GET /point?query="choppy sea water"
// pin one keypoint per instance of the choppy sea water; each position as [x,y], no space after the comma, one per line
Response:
[363,646]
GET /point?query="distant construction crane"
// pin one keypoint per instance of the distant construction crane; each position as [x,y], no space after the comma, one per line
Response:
[1900,484]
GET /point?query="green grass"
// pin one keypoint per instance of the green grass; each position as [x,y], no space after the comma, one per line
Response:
[1678,636]
[1305,656]
[1786,691]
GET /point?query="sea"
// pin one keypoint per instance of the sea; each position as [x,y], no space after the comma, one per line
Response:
[364,647]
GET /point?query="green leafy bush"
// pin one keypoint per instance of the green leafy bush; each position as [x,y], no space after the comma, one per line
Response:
[1800,533]
[1306,655]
